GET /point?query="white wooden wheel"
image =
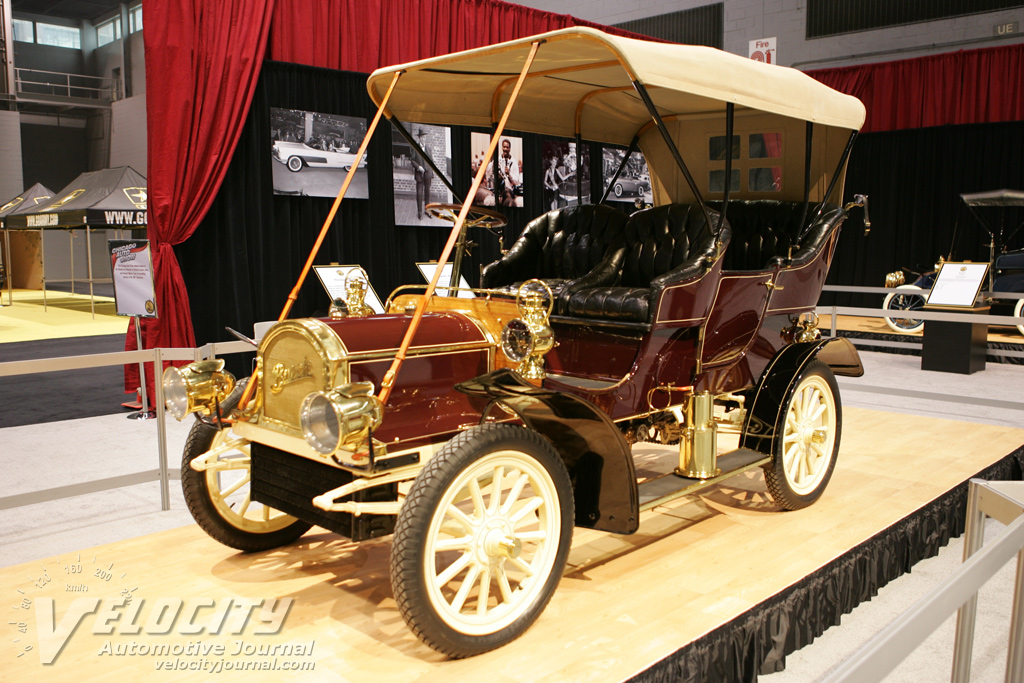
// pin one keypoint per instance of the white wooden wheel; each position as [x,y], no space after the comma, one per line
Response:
[482,539]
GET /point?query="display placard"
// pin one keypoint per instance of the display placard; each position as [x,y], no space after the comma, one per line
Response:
[444,282]
[332,277]
[131,265]
[957,285]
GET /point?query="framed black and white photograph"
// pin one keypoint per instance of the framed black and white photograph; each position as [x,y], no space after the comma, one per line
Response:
[561,174]
[416,184]
[313,153]
[507,189]
[633,183]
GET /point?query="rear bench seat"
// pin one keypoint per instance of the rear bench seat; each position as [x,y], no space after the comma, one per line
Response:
[764,229]
[663,245]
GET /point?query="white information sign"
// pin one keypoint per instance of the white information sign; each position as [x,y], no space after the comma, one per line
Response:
[332,277]
[131,264]
[428,269]
[957,284]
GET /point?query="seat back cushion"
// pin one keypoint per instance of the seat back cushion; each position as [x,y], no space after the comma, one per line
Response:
[563,244]
[663,238]
[764,229]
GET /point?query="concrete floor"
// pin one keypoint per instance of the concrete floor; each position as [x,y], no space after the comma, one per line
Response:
[38,457]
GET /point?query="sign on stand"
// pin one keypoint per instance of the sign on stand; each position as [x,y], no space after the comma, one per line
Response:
[131,265]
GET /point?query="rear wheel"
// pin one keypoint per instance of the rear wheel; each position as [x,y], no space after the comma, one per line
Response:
[482,539]
[219,498]
[294,164]
[805,450]
[1018,312]
[904,301]
[618,189]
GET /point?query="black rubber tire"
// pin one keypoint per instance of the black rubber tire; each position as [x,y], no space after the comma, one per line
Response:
[295,168]
[787,493]
[618,190]
[204,511]
[411,539]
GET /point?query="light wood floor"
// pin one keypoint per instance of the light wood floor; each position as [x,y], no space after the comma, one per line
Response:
[623,603]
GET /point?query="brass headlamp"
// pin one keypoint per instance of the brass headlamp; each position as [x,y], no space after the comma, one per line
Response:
[342,417]
[197,387]
[526,339]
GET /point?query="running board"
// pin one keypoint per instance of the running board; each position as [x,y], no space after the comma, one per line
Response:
[668,487]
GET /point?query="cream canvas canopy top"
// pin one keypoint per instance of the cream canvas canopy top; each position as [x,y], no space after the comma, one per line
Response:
[581,82]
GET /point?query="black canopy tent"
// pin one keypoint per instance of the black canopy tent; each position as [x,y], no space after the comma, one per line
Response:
[111,198]
[26,202]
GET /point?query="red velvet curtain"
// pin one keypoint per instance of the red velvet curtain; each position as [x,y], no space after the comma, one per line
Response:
[202,60]
[366,35]
[970,86]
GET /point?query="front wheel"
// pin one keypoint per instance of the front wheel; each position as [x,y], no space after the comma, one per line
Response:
[804,452]
[1018,312]
[482,539]
[218,497]
[618,190]
[904,300]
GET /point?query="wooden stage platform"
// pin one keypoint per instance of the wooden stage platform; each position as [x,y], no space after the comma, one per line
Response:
[624,603]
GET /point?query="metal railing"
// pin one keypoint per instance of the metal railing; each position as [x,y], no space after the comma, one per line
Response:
[959,593]
[29,82]
[155,356]
[834,311]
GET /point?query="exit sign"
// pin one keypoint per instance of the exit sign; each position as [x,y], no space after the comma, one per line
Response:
[1008,29]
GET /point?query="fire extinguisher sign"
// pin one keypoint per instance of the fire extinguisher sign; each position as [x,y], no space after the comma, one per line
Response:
[763,50]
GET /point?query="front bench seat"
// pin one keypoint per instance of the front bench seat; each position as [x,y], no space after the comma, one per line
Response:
[560,248]
[664,245]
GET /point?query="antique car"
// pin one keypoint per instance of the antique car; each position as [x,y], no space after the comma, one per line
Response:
[479,431]
[296,155]
[1006,275]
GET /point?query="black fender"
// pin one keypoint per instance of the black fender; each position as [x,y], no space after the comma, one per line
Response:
[596,454]
[778,382]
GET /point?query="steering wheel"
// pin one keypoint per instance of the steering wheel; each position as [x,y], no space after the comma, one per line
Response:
[477,216]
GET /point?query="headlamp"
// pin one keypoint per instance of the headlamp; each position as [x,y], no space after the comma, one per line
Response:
[196,387]
[339,418]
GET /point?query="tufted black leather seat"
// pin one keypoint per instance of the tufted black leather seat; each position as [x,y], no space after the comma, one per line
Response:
[664,245]
[763,231]
[565,247]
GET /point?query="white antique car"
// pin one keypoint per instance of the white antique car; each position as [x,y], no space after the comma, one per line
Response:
[295,155]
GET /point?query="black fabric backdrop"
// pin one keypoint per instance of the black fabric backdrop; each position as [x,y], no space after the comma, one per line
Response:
[914,179]
[243,261]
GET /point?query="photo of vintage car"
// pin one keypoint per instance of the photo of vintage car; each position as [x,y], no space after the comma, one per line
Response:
[479,432]
[631,187]
[298,155]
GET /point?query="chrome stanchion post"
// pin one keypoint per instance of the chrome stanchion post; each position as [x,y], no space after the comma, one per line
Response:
[1015,658]
[161,431]
[966,616]
[145,413]
[834,316]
